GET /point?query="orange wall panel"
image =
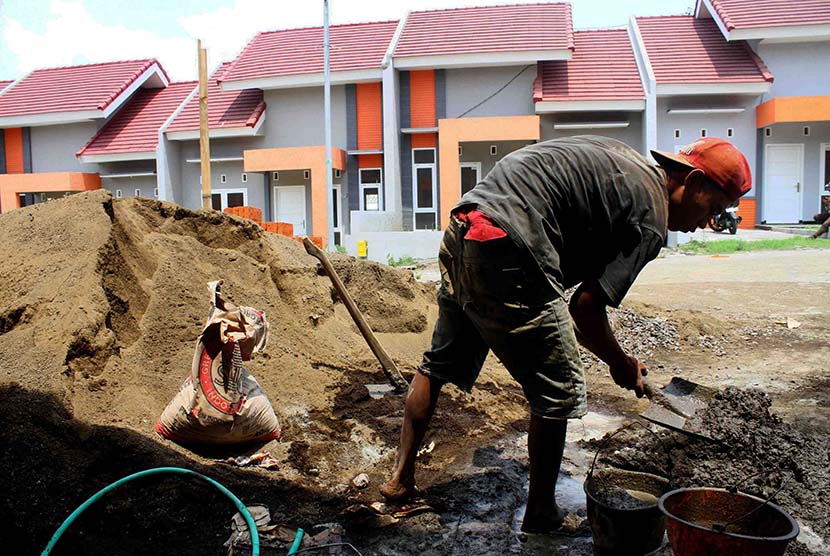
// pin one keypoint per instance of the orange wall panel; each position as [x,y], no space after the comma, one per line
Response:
[793,109]
[369,116]
[424,140]
[422,98]
[14,150]
[746,210]
[370,161]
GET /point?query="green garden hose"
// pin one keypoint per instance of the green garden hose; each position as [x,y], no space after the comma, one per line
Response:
[249,520]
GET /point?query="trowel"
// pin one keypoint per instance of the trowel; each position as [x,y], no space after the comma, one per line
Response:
[674,405]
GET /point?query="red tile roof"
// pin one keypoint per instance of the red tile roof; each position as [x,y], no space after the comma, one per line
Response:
[683,49]
[487,29]
[73,88]
[299,51]
[5,83]
[135,127]
[225,108]
[602,68]
[750,14]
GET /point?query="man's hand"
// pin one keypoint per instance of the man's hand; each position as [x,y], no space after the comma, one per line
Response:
[629,375]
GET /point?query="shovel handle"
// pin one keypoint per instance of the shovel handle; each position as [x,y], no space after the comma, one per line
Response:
[395,377]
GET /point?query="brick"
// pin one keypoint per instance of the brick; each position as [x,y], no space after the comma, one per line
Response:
[282,228]
[251,213]
[316,240]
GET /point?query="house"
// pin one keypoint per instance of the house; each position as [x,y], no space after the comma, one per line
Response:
[424,106]
[235,123]
[792,119]
[290,156]
[699,85]
[125,149]
[46,116]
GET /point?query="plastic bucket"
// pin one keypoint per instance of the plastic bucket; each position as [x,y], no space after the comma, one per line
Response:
[693,515]
[629,529]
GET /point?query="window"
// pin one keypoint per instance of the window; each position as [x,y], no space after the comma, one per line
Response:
[337,173]
[275,176]
[703,133]
[768,132]
[156,192]
[220,199]
[335,214]
[138,193]
[223,178]
[494,150]
[118,193]
[460,150]
[806,131]
[677,134]
[730,132]
[244,177]
[424,191]
[371,189]
[307,174]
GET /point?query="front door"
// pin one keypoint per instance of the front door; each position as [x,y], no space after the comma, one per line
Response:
[782,183]
[289,206]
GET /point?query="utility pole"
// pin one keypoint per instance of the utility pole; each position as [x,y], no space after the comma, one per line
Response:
[204,138]
[327,115]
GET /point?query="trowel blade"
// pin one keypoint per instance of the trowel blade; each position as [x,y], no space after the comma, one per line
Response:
[687,396]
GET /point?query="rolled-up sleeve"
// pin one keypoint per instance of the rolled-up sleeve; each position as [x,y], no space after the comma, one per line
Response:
[620,273]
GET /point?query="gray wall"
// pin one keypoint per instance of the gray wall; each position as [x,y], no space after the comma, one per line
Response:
[295,117]
[800,69]
[794,134]
[467,87]
[479,151]
[631,135]
[716,125]
[191,189]
[145,184]
[54,147]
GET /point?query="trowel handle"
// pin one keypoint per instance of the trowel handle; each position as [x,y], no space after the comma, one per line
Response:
[661,399]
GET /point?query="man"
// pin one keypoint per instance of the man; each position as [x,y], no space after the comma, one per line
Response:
[583,210]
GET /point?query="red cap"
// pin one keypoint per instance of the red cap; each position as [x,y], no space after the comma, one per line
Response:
[722,163]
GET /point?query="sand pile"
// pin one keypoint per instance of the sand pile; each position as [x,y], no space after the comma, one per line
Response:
[100,305]
[759,455]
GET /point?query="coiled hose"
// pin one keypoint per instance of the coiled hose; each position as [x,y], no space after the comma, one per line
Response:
[249,520]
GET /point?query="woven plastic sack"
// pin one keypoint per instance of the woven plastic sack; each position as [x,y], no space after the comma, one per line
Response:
[221,402]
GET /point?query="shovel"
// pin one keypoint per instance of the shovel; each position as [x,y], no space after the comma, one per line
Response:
[674,405]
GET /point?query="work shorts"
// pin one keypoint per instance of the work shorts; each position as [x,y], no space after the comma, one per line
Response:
[493,296]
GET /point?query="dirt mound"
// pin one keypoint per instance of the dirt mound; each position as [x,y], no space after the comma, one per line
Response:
[760,454]
[101,301]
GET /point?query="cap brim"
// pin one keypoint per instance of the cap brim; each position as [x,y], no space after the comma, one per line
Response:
[669,160]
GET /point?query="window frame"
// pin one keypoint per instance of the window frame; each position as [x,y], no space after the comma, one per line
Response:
[433,167]
[224,196]
[363,186]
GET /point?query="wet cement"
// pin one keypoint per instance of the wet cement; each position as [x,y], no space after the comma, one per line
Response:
[760,454]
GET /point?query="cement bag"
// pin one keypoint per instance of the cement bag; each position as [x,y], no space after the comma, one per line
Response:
[221,402]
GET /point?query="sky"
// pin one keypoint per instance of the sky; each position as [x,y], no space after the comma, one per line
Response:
[48,33]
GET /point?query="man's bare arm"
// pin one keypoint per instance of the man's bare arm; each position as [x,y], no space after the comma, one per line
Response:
[588,310]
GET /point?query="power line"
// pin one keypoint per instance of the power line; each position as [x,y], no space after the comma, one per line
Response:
[503,87]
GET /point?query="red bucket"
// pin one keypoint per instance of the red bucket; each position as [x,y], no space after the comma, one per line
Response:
[695,517]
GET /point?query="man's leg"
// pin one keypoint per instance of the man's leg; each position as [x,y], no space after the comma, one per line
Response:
[545,445]
[420,405]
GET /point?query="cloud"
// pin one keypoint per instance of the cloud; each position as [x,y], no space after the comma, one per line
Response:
[73,36]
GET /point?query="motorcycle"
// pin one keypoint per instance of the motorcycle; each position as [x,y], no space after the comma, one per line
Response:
[727,220]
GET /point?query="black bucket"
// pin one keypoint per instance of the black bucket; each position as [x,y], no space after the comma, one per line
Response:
[622,508]
[629,524]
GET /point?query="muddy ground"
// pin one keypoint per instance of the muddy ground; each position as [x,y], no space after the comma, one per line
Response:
[101,301]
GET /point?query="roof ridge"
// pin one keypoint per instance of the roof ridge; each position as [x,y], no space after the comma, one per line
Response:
[505,5]
[307,27]
[721,13]
[601,29]
[638,17]
[55,68]
[124,86]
